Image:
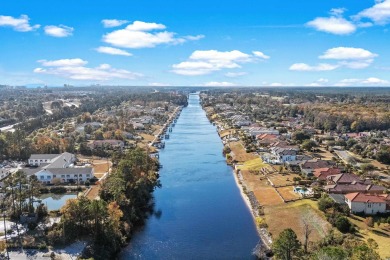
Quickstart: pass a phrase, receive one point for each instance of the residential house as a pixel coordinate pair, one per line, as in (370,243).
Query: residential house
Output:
(367,203)
(323,173)
(280,155)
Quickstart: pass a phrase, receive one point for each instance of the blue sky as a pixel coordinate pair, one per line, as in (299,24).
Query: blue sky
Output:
(219,43)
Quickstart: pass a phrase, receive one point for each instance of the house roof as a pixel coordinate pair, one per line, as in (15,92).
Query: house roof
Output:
(355,187)
(363,197)
(61,161)
(43,156)
(344,178)
(323,173)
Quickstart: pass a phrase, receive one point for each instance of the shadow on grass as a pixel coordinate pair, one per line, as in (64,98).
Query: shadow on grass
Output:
(379,233)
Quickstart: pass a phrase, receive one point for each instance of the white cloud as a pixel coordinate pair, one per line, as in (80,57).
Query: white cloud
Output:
(259,54)
(206,62)
(235,74)
(194,38)
(63,62)
(372,81)
(113,51)
(158,84)
(140,35)
(379,13)
(219,84)
(276,84)
(335,25)
(347,53)
(109,23)
(75,69)
(319,67)
(58,31)
(318,83)
(353,58)
(20,24)
(347,57)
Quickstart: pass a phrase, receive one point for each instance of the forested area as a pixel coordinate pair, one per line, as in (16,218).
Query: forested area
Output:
(125,201)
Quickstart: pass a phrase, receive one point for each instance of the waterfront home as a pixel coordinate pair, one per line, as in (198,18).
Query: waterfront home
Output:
(308,167)
(345,178)
(354,187)
(367,203)
(280,155)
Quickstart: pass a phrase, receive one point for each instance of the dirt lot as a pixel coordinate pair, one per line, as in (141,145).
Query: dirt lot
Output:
(101,166)
(239,154)
(323,154)
(295,213)
(288,193)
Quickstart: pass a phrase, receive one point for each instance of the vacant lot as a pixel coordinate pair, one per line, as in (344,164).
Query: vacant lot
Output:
(253,165)
(283,179)
(292,215)
(267,196)
(239,154)
(288,193)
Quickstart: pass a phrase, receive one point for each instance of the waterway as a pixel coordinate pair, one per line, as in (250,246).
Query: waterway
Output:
(200,213)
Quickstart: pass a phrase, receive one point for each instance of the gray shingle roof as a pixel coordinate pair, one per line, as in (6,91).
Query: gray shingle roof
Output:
(43,156)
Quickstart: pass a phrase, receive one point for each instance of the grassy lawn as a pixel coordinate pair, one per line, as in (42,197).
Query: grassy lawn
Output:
(239,154)
(288,193)
(253,165)
(381,236)
(147,138)
(291,215)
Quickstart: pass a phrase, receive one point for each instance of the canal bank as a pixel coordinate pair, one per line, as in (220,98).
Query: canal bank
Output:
(199,212)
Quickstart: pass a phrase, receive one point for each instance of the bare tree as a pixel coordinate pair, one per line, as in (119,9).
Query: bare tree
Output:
(306,231)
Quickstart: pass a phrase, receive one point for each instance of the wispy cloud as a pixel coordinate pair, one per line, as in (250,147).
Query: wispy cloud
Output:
(113,51)
(59,31)
(109,23)
(75,69)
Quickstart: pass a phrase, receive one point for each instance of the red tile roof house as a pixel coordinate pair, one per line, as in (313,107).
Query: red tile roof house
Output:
(348,183)
(323,173)
(368,203)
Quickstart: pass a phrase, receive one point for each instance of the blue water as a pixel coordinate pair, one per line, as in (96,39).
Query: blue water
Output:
(201,214)
(55,201)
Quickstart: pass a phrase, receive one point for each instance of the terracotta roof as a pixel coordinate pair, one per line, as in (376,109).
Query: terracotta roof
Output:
(323,173)
(362,197)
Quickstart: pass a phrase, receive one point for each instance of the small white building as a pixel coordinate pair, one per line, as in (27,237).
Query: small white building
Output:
(369,204)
